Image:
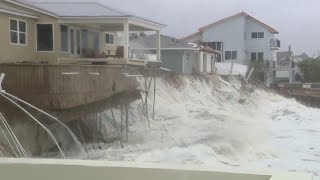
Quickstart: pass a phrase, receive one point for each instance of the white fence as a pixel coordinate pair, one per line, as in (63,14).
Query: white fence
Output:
(228,68)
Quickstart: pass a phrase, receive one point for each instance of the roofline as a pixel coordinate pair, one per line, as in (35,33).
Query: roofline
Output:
(57,16)
(192,49)
(18,14)
(272,30)
(190,36)
(32,8)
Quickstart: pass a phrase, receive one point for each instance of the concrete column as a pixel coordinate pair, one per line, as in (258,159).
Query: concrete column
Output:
(158,46)
(126,39)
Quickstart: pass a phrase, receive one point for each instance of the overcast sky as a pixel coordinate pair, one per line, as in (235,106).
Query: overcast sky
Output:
(296,20)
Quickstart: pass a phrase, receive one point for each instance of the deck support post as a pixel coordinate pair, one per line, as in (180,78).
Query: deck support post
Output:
(158,46)
(127,121)
(126,39)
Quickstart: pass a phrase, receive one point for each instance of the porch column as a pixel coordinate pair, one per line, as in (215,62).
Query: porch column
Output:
(158,46)
(126,39)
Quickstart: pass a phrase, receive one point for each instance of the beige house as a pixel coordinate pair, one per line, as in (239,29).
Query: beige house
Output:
(65,32)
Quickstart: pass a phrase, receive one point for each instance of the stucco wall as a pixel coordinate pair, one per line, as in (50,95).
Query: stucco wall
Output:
(173,60)
(231,33)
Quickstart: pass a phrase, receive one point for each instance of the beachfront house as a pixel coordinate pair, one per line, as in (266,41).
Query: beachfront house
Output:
(68,32)
(240,38)
(180,57)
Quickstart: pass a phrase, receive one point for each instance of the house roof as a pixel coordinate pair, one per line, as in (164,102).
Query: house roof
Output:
(8,9)
(272,30)
(167,42)
(66,9)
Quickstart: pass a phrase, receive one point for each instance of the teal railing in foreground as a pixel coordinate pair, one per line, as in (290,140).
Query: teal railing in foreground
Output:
(40,169)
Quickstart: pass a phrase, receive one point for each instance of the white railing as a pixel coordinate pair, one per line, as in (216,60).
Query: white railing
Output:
(275,44)
(37,169)
(282,64)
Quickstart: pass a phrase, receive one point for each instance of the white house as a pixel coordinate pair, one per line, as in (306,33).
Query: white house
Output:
(240,38)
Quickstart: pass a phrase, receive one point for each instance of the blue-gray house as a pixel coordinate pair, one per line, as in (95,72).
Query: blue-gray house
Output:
(177,56)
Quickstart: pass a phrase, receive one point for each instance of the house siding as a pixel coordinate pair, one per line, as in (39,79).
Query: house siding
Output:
(173,59)
(231,33)
(16,53)
(258,45)
(11,52)
(188,66)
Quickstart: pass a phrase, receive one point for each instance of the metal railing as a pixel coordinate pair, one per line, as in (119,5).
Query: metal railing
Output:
(275,43)
(281,64)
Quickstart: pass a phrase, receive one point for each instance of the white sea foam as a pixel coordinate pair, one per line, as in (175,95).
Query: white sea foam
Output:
(198,122)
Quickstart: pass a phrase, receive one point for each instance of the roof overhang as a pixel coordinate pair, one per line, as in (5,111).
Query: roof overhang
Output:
(165,49)
(114,23)
(18,13)
(31,8)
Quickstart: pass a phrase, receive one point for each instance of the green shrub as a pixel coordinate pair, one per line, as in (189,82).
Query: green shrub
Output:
(310,70)
(259,71)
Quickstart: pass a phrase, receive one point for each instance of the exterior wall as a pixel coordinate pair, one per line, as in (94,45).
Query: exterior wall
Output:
(231,33)
(173,60)
(188,63)
(15,53)
(258,45)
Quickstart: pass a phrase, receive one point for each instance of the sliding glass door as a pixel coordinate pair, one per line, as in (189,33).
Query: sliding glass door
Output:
(75,42)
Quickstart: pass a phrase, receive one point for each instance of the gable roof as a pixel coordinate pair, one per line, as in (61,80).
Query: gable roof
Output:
(65,9)
(11,10)
(167,42)
(270,29)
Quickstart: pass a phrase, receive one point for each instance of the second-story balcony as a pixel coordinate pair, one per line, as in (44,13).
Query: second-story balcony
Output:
(275,44)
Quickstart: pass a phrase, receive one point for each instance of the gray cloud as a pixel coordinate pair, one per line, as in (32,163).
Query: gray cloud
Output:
(297,20)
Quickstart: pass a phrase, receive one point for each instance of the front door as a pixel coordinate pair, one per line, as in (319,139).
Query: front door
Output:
(75,42)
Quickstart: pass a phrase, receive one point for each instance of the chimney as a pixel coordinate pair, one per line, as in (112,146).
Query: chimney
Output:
(290,48)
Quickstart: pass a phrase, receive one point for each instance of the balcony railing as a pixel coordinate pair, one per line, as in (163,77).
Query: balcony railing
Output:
(275,44)
(282,64)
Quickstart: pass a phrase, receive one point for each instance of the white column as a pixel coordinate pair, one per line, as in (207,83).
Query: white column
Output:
(126,39)
(158,46)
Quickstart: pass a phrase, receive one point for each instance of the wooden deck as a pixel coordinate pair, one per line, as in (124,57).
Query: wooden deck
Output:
(109,61)
(58,87)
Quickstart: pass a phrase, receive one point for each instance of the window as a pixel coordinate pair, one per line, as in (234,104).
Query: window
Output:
(18,31)
(228,55)
(72,41)
(254,35)
(109,38)
(188,56)
(234,54)
(231,55)
(253,56)
(44,37)
(64,38)
(260,35)
(260,56)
